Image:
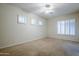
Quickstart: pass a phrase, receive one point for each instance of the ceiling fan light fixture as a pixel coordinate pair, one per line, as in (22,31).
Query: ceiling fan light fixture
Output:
(48,8)
(49,12)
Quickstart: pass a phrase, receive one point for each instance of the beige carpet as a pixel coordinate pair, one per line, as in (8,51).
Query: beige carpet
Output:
(42,47)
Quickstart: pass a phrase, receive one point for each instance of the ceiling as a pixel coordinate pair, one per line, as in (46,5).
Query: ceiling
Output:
(59,8)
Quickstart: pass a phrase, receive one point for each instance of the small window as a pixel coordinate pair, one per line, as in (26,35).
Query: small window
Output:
(33,21)
(40,22)
(21,19)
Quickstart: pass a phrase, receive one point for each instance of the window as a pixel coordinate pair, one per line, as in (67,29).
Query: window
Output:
(21,19)
(66,27)
(40,22)
(34,21)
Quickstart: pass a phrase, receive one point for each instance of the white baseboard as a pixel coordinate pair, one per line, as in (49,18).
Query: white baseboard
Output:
(32,40)
(75,40)
(18,43)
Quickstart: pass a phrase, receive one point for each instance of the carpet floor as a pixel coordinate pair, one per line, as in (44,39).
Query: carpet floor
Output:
(42,47)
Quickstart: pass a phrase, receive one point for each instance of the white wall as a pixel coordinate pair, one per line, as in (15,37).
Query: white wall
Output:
(52,27)
(12,33)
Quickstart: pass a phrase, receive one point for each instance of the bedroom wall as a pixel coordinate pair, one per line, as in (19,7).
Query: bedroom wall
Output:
(52,27)
(12,33)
